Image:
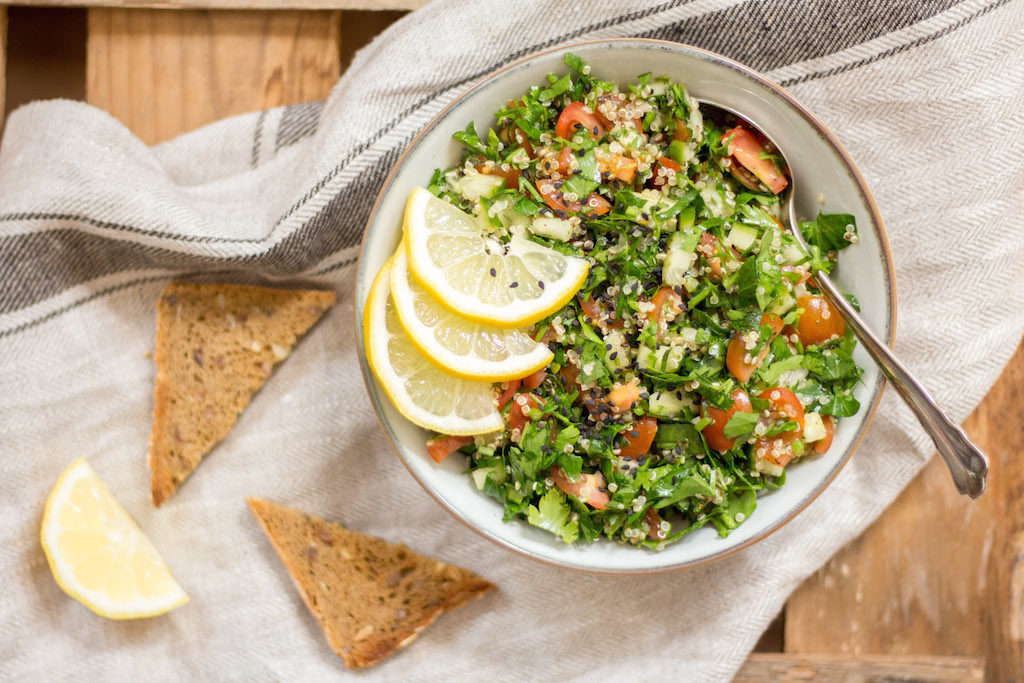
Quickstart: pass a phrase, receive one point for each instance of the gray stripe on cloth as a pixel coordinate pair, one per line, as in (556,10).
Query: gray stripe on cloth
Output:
(741,31)
(39,265)
(297,121)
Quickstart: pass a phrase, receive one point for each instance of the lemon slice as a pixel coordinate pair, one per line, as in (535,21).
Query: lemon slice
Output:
(422,393)
(512,285)
(97,553)
(456,345)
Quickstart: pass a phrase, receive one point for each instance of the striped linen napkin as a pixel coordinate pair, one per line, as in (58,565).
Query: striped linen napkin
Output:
(927,96)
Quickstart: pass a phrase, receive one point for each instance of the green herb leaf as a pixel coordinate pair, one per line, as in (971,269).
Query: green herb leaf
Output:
(552,514)
(740,425)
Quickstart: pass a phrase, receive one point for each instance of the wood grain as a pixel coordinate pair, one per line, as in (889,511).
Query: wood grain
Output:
(923,669)
(937,572)
(164,73)
(235,4)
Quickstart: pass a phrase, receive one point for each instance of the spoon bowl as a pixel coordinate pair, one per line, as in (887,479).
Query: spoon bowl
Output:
(967,465)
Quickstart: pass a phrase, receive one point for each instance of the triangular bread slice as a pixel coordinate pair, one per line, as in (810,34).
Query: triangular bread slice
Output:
(370,597)
(216,345)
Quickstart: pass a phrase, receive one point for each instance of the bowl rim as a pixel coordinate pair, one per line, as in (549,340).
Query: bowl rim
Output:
(862,188)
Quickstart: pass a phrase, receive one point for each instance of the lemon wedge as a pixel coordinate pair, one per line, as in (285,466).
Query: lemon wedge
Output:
(456,345)
(97,553)
(423,394)
(510,285)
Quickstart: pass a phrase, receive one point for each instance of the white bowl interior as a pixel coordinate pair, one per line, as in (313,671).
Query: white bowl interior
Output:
(820,167)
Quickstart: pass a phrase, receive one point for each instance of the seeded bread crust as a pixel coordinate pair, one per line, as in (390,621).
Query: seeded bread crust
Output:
(216,345)
(369,596)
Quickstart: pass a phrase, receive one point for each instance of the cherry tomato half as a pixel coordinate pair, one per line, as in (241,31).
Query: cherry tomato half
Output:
(735,357)
(714,432)
(785,407)
(830,429)
(819,322)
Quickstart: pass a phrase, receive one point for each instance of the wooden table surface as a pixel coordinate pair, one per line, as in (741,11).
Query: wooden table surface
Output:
(933,591)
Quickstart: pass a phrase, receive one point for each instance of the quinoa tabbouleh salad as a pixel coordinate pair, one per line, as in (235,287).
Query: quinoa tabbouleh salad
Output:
(698,361)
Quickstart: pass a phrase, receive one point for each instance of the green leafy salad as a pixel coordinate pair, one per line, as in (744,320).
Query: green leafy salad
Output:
(699,360)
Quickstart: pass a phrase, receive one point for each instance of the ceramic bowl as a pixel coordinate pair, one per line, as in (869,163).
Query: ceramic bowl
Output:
(823,168)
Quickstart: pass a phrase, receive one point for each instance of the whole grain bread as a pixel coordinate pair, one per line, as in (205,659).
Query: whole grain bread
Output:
(216,345)
(370,597)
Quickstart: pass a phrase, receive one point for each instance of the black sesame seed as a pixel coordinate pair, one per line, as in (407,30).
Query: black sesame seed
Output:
(596,129)
(514,285)
(613,355)
(494,272)
(608,347)
(540,283)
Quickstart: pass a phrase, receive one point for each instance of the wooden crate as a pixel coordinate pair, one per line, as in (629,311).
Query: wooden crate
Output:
(934,591)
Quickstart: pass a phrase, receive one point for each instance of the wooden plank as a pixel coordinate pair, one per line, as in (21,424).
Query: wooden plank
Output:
(937,572)
(235,4)
(920,668)
(164,73)
(45,54)
(3,62)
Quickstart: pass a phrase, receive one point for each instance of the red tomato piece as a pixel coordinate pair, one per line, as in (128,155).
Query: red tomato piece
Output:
(747,150)
(590,488)
(638,437)
(830,429)
(665,299)
(511,176)
(735,357)
(531,382)
(799,271)
(551,191)
(598,314)
(508,392)
(713,253)
(578,115)
(819,322)
(623,397)
(517,419)
(610,105)
(596,205)
(714,433)
(658,179)
(441,447)
(785,406)
(616,166)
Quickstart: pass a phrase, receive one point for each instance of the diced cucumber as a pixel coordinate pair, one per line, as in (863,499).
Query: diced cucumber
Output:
(679,258)
(741,236)
(662,359)
(684,221)
(814,427)
(669,403)
(792,254)
(472,187)
(555,228)
(782,305)
(480,476)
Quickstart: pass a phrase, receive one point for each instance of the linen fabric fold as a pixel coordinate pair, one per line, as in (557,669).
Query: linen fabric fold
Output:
(926,96)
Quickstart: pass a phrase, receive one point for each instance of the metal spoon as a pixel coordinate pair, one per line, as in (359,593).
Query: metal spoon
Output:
(967,464)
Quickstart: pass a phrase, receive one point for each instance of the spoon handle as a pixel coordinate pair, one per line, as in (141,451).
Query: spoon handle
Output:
(966,463)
